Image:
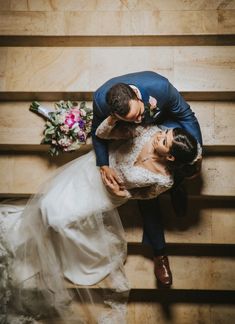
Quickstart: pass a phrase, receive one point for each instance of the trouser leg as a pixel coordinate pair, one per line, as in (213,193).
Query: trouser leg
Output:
(153,231)
(179,197)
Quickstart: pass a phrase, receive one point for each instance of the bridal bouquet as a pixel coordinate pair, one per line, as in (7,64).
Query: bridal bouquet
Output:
(67,127)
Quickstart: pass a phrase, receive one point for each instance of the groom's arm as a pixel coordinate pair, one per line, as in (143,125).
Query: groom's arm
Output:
(181,112)
(100,145)
(101,150)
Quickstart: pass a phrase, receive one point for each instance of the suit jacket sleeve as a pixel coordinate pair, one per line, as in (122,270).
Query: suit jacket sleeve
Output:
(181,112)
(100,145)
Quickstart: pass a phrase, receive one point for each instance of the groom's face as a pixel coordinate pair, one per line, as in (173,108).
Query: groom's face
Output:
(135,113)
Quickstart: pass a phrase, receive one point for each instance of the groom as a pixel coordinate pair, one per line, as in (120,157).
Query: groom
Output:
(146,98)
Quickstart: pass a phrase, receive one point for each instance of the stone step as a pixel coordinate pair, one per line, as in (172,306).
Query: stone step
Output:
(166,307)
(63,69)
(115,18)
(17,168)
(199,231)
(203,222)
(111,41)
(112,5)
(25,128)
(189,273)
(167,312)
(13,96)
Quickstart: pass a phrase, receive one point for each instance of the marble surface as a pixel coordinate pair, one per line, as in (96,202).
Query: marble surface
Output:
(216,120)
(199,68)
(202,225)
(189,272)
(84,69)
(16,169)
(73,5)
(119,20)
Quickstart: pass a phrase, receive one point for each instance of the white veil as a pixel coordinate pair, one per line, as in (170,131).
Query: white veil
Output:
(37,255)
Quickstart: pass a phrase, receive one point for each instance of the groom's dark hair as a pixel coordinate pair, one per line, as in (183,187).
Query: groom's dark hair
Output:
(118,98)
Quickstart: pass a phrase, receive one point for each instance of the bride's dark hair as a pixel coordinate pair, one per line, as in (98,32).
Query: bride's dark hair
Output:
(184,148)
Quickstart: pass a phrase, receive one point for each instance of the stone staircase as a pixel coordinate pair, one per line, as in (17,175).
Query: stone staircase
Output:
(53,50)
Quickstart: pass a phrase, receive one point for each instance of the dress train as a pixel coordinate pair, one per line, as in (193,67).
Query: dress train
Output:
(69,229)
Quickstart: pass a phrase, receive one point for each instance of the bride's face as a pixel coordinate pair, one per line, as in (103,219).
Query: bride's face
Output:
(136,112)
(162,143)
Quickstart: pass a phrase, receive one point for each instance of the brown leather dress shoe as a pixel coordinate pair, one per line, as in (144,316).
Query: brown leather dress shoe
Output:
(162,271)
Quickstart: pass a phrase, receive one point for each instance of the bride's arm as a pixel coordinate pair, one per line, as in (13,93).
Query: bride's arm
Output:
(112,128)
(149,192)
(115,189)
(136,193)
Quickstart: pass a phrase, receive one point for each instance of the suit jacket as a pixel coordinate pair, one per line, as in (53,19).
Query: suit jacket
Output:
(172,110)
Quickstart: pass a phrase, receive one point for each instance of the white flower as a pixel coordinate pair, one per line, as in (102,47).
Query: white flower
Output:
(65,142)
(64,128)
(152,102)
(61,118)
(83,113)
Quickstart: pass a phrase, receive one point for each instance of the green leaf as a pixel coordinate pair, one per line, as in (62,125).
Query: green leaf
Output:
(82,105)
(48,123)
(50,130)
(47,140)
(34,106)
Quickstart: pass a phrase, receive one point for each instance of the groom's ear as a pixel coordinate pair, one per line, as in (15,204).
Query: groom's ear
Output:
(170,157)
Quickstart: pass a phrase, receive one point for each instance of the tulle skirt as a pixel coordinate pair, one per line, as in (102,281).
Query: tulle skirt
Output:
(69,230)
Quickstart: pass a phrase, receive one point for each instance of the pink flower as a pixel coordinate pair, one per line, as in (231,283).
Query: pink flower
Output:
(69,120)
(76,113)
(72,117)
(152,102)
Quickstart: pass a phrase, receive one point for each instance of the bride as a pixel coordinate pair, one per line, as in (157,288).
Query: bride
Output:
(71,228)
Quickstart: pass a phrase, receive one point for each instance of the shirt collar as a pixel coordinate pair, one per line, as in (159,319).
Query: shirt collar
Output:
(142,93)
(136,89)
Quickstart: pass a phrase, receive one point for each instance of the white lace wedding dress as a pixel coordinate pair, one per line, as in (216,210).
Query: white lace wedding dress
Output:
(72,229)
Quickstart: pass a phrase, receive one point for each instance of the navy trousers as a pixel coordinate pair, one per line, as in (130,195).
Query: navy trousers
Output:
(153,230)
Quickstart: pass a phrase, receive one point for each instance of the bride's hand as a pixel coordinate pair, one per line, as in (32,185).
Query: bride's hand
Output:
(112,120)
(112,182)
(111,175)
(115,190)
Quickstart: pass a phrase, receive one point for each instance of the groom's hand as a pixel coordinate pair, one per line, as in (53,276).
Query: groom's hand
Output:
(109,176)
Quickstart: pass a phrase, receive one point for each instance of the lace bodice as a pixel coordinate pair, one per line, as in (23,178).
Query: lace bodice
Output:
(139,181)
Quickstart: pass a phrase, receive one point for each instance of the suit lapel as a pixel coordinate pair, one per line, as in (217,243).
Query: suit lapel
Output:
(149,116)
(144,94)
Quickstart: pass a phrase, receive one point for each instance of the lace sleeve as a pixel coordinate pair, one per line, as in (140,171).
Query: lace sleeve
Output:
(121,130)
(147,192)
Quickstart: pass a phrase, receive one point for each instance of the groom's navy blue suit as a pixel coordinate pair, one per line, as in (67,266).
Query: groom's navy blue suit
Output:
(173,111)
